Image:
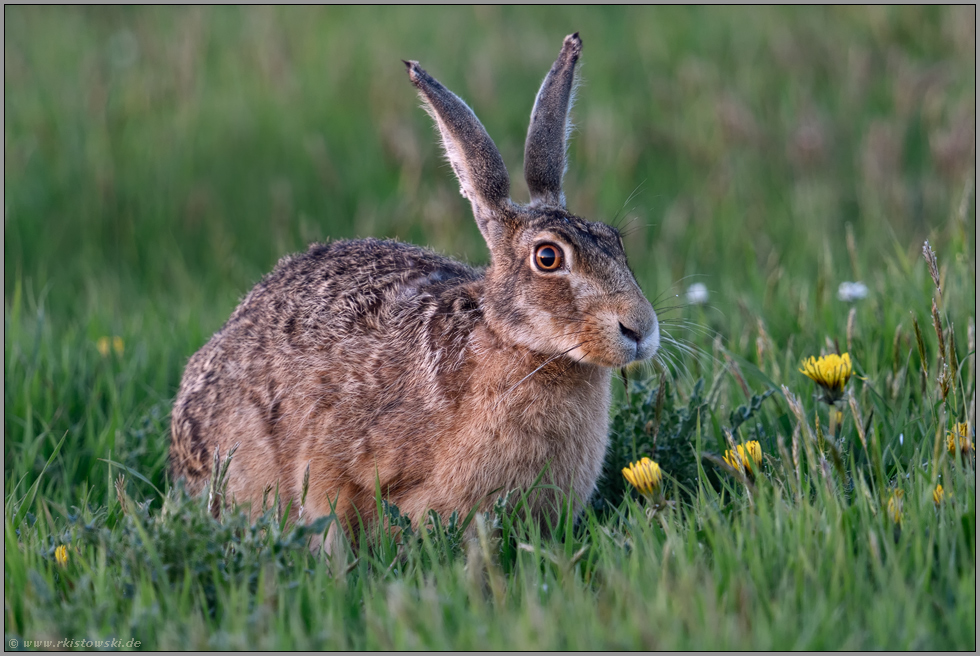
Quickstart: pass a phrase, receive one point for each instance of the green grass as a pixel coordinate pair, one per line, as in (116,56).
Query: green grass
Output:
(158,161)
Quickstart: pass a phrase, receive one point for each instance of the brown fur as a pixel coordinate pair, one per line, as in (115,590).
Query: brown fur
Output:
(379,362)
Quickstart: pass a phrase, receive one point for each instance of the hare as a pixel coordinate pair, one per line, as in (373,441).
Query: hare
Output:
(375,362)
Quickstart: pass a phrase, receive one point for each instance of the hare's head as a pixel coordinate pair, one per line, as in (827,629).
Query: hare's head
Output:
(557,284)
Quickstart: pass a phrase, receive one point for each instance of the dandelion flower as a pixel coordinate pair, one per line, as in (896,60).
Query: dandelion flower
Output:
(61,555)
(831,372)
(747,457)
(645,476)
(104,344)
(895,506)
(938,494)
(960,439)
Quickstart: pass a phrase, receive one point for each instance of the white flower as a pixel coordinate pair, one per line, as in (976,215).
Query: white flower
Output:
(852,291)
(697,294)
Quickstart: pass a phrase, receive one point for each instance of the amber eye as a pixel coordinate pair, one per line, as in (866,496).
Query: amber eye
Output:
(547,257)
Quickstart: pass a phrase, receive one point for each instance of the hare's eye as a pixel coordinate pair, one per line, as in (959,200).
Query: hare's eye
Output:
(547,257)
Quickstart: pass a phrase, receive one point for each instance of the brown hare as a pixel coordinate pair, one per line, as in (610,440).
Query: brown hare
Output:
(376,362)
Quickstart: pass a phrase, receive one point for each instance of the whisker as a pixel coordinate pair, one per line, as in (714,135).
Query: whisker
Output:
(636,228)
(690,326)
(623,232)
(677,367)
(539,368)
(664,293)
(667,360)
(676,284)
(691,352)
(576,332)
(627,202)
(671,353)
(669,308)
(700,330)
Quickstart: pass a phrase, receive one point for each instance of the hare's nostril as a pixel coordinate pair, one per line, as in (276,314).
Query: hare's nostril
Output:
(629,333)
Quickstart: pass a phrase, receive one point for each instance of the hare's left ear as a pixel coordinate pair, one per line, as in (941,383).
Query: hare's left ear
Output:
(544,152)
(474,157)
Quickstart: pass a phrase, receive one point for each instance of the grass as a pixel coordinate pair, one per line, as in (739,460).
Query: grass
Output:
(158,161)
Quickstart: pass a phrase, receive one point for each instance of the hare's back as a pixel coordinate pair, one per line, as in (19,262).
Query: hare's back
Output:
(346,289)
(337,332)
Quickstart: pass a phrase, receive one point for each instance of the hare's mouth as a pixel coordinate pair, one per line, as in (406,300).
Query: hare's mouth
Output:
(619,345)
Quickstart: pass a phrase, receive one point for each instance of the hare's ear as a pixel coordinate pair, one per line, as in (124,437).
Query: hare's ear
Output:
(544,152)
(474,157)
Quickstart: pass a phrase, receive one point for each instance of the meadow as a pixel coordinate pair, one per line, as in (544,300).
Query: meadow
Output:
(159,161)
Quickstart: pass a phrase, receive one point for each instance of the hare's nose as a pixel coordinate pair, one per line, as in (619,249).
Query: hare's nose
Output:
(630,333)
(641,333)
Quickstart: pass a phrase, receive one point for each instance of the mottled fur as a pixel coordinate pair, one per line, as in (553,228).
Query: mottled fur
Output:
(379,362)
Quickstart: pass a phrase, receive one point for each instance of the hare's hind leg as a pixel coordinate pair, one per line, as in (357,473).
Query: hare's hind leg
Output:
(333,542)
(201,432)
(189,457)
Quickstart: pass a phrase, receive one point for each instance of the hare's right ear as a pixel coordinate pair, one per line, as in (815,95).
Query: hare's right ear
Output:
(547,136)
(474,157)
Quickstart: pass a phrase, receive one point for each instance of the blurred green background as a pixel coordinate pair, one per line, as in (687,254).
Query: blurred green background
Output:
(169,156)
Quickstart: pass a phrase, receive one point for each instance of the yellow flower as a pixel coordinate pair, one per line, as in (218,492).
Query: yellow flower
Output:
(61,555)
(960,438)
(895,506)
(748,457)
(937,495)
(103,344)
(831,372)
(644,475)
